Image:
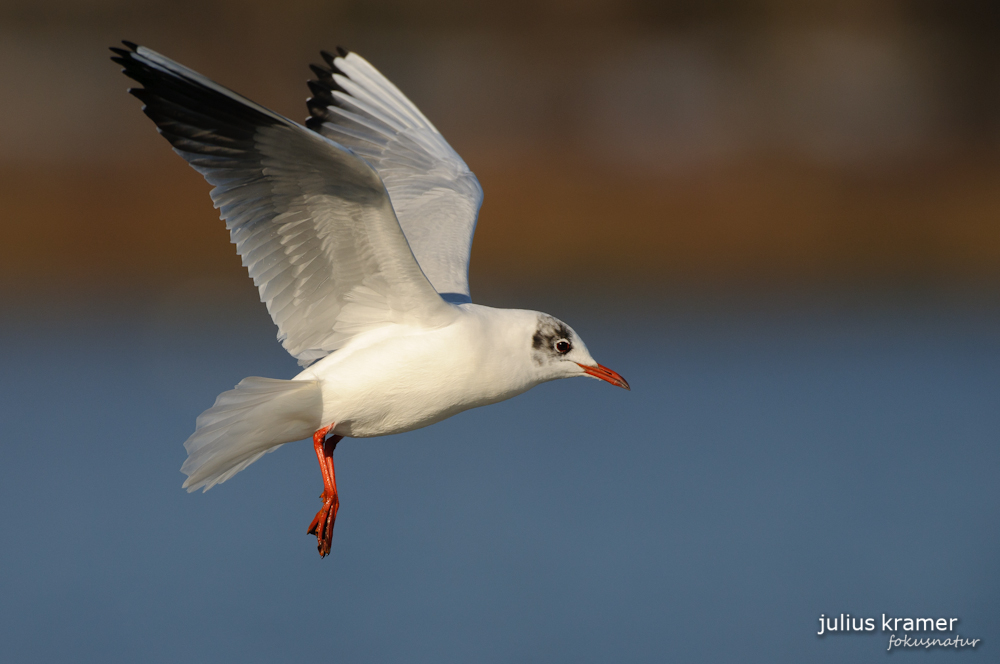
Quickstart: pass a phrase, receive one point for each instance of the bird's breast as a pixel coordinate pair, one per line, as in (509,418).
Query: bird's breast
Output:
(413,379)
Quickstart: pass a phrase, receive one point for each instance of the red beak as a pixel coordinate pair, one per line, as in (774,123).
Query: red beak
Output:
(602,372)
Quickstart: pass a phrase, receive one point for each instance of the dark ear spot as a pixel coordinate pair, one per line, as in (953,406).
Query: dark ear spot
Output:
(543,341)
(538,341)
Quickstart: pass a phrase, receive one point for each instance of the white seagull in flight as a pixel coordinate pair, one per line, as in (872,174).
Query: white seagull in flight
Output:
(356,229)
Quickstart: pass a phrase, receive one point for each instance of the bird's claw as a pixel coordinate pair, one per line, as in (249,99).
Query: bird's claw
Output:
(322,524)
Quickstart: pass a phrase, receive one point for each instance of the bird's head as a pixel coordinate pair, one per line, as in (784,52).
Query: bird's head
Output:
(558,352)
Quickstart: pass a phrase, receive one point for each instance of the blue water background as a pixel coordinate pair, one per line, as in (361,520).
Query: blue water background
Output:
(773,462)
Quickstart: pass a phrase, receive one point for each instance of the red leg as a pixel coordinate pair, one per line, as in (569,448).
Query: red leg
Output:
(322,523)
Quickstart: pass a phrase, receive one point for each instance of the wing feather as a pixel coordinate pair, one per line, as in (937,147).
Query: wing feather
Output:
(312,221)
(435,195)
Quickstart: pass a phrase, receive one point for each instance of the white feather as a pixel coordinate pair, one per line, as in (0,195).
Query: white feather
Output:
(258,416)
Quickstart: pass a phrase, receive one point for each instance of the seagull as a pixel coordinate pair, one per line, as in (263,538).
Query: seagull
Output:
(356,229)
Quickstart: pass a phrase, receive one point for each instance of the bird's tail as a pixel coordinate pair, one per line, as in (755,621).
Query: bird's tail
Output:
(259,416)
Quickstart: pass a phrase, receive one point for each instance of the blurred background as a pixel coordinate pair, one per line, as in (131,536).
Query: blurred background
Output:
(779,220)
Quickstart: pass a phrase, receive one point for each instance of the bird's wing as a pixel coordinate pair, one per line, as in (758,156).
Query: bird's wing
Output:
(312,220)
(435,195)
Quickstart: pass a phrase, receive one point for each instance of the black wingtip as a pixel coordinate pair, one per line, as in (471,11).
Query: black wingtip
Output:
(121,55)
(320,72)
(342,52)
(318,89)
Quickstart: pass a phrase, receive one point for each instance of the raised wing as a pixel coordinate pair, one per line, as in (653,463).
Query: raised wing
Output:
(435,195)
(312,221)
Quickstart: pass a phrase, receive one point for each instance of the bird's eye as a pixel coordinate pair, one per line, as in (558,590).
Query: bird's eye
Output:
(563,346)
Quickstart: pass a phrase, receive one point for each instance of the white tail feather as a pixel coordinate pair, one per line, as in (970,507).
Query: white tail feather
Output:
(259,416)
